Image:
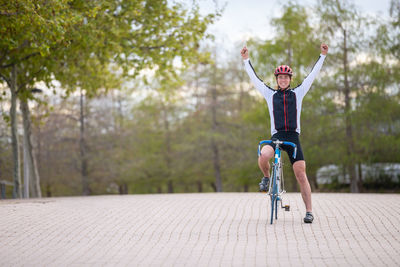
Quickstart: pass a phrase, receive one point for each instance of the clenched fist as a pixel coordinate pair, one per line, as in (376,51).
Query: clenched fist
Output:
(324,49)
(245,53)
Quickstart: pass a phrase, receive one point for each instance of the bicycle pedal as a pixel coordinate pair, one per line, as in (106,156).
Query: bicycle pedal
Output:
(287,208)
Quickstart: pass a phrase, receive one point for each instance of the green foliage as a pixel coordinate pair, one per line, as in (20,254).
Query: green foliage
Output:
(93,45)
(79,42)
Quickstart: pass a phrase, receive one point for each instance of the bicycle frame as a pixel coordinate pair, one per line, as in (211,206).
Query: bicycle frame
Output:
(276,185)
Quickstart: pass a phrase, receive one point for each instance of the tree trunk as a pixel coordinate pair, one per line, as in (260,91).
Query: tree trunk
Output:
(246,188)
(168,150)
(32,174)
(26,163)
(214,145)
(48,190)
(123,189)
(360,177)
(47,186)
(313,182)
(170,186)
(214,187)
(83,149)
(354,185)
(197,107)
(17,192)
(199,186)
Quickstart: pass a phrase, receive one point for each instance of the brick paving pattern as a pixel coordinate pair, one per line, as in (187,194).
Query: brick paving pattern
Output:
(226,229)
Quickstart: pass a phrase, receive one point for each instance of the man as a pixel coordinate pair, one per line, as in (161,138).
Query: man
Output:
(284,106)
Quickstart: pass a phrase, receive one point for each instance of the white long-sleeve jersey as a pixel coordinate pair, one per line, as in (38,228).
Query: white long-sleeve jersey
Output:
(284,105)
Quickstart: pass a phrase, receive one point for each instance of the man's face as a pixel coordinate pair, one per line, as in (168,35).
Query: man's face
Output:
(283,81)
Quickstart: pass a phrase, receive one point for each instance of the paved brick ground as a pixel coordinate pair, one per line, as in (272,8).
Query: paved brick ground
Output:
(227,229)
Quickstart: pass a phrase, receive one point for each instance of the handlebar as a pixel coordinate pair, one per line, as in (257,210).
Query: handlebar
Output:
(277,142)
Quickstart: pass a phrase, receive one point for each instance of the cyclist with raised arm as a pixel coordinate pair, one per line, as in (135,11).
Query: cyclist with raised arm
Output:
(284,105)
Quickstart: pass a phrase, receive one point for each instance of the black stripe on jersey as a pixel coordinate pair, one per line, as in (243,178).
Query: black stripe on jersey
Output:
(309,72)
(259,77)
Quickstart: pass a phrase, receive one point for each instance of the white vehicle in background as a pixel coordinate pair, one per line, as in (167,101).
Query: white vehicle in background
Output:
(377,173)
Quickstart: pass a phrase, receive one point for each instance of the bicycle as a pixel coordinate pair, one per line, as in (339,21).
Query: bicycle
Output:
(276,183)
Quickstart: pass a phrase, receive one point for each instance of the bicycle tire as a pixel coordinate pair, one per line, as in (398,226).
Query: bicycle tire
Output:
(274,196)
(272,208)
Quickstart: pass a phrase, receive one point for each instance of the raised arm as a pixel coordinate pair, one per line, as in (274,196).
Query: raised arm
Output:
(306,84)
(265,90)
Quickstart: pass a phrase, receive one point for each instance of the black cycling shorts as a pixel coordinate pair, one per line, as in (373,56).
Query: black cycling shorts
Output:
(289,137)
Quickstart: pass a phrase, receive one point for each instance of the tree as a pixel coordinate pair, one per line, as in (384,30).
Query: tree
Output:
(378,110)
(342,23)
(28,31)
(55,37)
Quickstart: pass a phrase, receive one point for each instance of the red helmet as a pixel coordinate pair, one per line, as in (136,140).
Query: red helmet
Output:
(283,69)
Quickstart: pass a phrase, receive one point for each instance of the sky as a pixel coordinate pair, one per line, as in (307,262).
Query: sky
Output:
(243,19)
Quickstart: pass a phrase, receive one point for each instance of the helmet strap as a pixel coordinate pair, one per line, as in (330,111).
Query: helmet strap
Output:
(280,88)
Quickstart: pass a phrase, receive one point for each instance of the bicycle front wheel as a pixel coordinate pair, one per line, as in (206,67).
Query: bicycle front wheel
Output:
(272,207)
(274,194)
